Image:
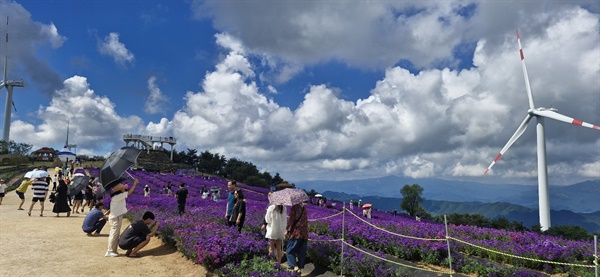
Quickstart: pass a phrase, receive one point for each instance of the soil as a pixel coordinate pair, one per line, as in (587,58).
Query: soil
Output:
(56,246)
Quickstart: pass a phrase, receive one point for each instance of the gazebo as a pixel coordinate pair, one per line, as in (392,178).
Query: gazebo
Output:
(44,154)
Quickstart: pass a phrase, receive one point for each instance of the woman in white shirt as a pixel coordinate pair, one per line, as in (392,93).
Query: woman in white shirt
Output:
(276,219)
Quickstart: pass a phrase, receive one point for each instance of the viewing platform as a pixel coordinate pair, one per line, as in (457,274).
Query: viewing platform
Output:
(149,142)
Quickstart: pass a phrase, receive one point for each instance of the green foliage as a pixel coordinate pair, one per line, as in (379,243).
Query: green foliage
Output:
(412,199)
(257,266)
(569,232)
(12,147)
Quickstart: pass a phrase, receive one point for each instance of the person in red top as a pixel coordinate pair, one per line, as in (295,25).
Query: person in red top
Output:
(297,232)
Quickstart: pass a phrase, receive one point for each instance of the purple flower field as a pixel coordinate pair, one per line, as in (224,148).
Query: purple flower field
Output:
(202,235)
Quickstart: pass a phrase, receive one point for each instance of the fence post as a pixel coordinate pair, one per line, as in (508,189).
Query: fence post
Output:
(343,231)
(448,243)
(596,254)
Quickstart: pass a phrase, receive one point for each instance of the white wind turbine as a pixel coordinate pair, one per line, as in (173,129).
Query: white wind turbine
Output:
(9,84)
(540,114)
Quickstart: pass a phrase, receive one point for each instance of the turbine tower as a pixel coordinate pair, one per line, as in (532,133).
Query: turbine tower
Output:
(540,114)
(9,84)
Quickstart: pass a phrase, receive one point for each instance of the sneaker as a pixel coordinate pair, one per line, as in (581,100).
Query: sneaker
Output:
(111,254)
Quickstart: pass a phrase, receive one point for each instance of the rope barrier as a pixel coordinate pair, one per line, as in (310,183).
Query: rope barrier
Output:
(392,233)
(520,257)
(324,240)
(397,263)
(327,217)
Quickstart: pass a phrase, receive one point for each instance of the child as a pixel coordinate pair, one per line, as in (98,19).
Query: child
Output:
(2,190)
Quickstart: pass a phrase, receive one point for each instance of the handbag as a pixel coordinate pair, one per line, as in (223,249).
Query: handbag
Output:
(52,198)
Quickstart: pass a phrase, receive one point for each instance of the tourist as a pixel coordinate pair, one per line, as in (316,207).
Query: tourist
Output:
(138,235)
(95,220)
(238,213)
(78,197)
(2,190)
(22,189)
(297,232)
(275,220)
(61,204)
(88,194)
(181,196)
(40,192)
(231,186)
(118,208)
(54,182)
(146,191)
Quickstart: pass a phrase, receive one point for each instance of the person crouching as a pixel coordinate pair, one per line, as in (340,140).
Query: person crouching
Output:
(138,235)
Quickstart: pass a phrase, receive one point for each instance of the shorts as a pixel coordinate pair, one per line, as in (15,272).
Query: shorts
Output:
(20,194)
(35,199)
(2,194)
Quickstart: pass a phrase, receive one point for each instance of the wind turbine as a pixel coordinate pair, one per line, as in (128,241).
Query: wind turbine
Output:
(540,114)
(9,84)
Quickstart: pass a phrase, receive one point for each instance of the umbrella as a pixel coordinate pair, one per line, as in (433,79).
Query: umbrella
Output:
(288,197)
(318,195)
(79,182)
(116,164)
(367,206)
(78,174)
(36,174)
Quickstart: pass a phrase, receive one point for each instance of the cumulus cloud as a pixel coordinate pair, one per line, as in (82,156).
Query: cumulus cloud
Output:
(156,102)
(437,122)
(111,46)
(94,124)
(23,63)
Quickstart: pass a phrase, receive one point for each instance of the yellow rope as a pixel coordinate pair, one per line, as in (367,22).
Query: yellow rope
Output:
(397,263)
(392,233)
(316,219)
(519,257)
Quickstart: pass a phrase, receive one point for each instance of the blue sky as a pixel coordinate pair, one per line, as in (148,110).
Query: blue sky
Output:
(314,89)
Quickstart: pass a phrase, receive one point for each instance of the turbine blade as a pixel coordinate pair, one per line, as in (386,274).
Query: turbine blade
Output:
(557,116)
(527,86)
(510,142)
(14,107)
(6,53)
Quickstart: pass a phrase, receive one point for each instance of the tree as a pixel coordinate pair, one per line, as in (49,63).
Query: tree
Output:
(14,148)
(569,232)
(412,199)
(277,179)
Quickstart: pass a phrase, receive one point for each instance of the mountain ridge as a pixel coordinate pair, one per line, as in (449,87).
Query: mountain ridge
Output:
(580,197)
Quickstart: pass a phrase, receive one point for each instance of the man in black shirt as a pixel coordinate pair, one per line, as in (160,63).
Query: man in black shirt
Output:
(181,196)
(138,235)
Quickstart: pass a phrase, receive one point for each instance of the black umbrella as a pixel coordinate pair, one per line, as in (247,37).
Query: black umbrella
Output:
(79,183)
(116,164)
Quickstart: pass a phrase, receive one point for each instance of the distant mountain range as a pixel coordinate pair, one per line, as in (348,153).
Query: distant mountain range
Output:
(577,204)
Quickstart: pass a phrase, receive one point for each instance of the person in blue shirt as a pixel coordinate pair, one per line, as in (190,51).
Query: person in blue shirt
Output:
(232,187)
(95,220)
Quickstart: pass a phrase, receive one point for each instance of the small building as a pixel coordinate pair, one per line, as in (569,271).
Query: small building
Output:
(45,154)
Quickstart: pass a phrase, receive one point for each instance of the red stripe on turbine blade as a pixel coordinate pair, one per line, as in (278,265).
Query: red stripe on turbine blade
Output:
(498,157)
(486,171)
(521,52)
(577,122)
(596,127)
(518,37)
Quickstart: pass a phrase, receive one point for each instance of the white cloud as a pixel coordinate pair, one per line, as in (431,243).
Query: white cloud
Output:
(56,40)
(443,123)
(94,124)
(156,101)
(111,46)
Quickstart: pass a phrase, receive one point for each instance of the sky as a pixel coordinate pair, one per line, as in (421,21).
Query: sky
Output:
(313,90)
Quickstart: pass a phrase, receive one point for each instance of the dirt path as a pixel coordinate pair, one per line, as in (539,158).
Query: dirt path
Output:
(56,246)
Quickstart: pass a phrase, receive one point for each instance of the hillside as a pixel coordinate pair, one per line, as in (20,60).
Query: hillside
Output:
(579,198)
(513,212)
